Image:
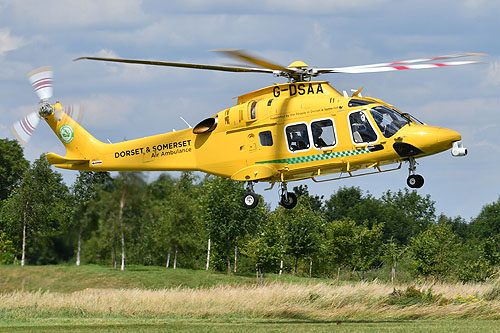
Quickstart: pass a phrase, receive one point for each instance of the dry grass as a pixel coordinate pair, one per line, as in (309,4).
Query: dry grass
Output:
(276,300)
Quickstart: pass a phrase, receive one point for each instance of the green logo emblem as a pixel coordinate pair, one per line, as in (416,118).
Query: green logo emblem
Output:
(66,133)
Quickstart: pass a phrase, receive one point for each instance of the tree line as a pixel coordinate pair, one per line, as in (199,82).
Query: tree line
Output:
(200,223)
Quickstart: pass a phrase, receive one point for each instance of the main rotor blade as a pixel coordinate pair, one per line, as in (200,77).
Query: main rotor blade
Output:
(245,56)
(390,66)
(359,70)
(180,64)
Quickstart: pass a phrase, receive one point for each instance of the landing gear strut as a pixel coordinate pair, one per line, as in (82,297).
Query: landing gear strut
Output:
(250,199)
(288,199)
(414,180)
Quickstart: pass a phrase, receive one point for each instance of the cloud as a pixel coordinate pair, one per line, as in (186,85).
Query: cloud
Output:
(278,6)
(76,13)
(8,42)
(104,111)
(493,76)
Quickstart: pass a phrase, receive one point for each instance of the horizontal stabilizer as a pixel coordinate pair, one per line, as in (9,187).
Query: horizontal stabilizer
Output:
(56,159)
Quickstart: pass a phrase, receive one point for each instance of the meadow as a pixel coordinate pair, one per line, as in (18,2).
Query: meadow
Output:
(155,298)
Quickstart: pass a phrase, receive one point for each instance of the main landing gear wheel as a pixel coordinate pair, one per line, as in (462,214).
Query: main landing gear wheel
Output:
(415,181)
(250,200)
(288,200)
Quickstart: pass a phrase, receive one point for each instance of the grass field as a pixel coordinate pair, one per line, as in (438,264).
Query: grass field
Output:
(153,298)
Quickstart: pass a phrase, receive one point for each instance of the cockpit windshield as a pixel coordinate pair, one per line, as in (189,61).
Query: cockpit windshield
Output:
(389,121)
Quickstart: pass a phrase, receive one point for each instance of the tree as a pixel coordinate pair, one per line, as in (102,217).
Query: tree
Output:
(266,249)
(226,220)
(302,229)
(6,249)
(314,201)
(406,214)
(347,244)
(392,252)
(339,205)
(434,251)
(37,210)
(339,243)
(176,223)
(122,213)
(129,185)
(368,246)
(85,190)
(487,223)
(12,166)
(349,202)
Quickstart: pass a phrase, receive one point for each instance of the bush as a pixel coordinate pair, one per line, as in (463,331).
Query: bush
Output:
(476,270)
(412,296)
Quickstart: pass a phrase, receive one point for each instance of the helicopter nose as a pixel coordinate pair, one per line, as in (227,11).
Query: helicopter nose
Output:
(416,140)
(446,137)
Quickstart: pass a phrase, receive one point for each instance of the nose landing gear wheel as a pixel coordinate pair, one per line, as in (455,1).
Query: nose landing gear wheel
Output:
(289,200)
(415,181)
(250,200)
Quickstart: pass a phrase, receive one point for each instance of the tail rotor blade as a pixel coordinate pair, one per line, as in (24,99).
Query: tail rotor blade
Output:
(75,112)
(24,128)
(41,80)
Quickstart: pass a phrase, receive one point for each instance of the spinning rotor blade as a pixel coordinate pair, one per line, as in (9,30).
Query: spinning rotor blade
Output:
(401,65)
(74,112)
(180,64)
(23,129)
(41,80)
(245,56)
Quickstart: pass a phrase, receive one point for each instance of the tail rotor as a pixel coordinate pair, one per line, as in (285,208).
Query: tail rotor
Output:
(42,82)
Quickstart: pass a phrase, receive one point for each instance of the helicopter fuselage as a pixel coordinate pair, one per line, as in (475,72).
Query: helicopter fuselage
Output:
(279,133)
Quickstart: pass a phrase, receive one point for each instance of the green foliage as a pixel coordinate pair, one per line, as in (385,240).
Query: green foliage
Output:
(302,230)
(434,251)
(6,249)
(406,214)
(12,166)
(39,204)
(368,245)
(478,270)
(487,223)
(355,246)
(226,220)
(267,248)
(314,201)
(176,225)
(351,229)
(412,296)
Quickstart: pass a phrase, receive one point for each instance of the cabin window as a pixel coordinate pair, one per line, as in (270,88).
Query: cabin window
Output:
(323,133)
(252,110)
(266,138)
(297,137)
(361,129)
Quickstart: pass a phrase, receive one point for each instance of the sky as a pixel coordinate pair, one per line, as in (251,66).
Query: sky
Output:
(131,101)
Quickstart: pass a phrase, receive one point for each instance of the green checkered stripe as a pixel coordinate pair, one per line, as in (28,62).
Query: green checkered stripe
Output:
(318,157)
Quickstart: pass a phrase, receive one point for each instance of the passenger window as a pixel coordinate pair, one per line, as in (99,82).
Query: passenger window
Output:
(323,133)
(252,110)
(362,131)
(297,137)
(266,138)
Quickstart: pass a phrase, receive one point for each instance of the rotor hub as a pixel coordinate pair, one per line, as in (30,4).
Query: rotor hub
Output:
(45,109)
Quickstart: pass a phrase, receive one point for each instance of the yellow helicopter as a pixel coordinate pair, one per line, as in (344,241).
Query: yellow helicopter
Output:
(285,132)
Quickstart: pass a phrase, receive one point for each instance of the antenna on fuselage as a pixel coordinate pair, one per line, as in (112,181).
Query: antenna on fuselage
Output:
(184,120)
